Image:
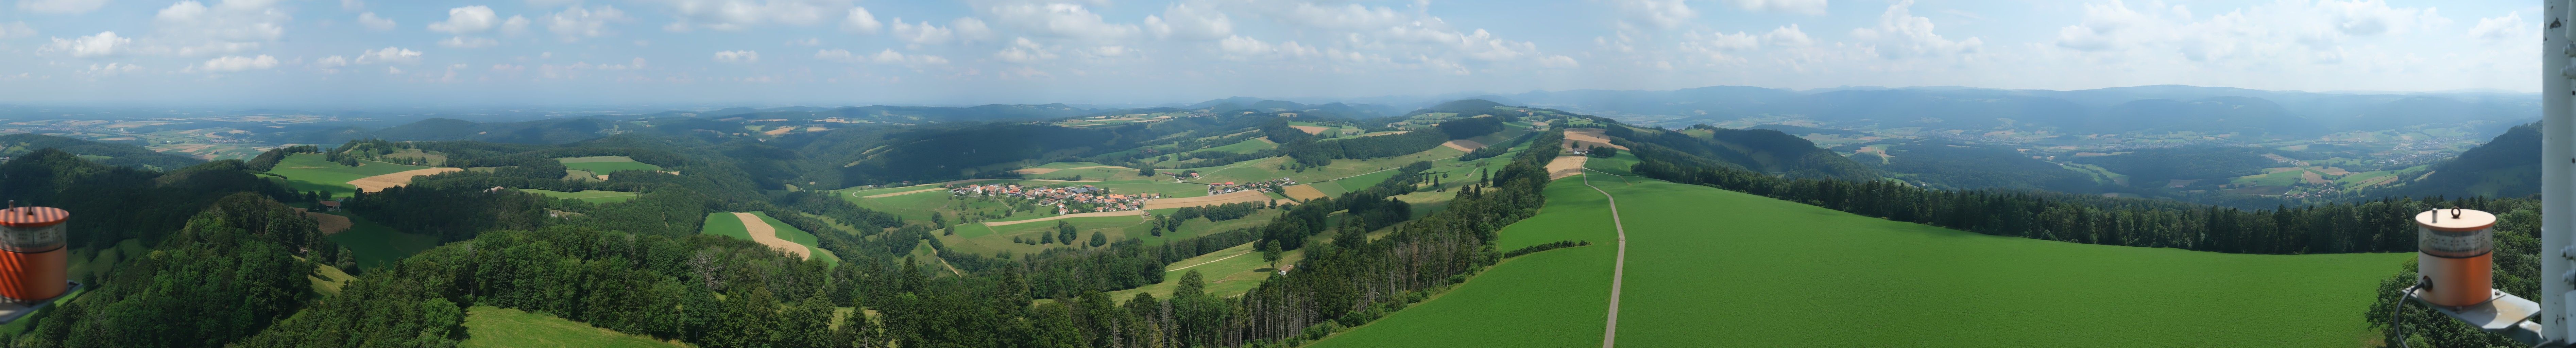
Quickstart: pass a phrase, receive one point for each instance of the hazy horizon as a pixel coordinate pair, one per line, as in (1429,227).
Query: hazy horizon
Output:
(823,52)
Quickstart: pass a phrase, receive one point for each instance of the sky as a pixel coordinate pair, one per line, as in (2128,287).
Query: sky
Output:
(290,53)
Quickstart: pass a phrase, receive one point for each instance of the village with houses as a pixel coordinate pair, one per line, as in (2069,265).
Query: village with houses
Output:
(1273,185)
(1067,200)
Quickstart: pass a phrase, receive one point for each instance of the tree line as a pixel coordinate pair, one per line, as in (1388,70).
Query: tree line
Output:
(2369,226)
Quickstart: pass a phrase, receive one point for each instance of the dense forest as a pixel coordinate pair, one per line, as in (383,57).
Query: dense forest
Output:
(115,154)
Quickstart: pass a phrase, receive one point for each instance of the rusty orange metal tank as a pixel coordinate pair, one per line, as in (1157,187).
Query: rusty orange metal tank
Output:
(31,254)
(2456,256)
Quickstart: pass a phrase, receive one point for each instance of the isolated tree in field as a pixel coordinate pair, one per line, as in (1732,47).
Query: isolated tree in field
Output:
(1146,171)
(1064,231)
(1098,239)
(1046,238)
(1270,253)
(938,220)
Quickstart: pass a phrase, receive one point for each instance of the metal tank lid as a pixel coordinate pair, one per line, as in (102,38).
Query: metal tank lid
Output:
(32,217)
(2455,220)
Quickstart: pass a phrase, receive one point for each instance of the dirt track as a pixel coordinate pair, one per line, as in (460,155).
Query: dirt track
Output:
(1231,197)
(1464,145)
(1067,216)
(380,182)
(767,235)
(884,195)
(1052,170)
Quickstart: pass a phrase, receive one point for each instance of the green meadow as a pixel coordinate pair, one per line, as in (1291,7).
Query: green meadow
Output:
(496,327)
(1556,298)
(725,224)
(378,245)
(312,172)
(1719,266)
(603,165)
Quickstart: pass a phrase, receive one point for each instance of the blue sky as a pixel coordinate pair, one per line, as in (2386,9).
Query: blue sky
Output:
(288,53)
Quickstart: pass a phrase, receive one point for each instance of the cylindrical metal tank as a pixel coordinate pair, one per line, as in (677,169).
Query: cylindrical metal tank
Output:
(2457,254)
(31,253)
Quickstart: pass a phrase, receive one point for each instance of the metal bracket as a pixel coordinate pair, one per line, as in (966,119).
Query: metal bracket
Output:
(2503,314)
(11,311)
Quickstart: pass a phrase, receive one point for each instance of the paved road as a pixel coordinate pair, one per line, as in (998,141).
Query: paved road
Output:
(1619,268)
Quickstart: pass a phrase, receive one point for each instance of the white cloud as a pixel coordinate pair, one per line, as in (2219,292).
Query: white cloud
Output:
(372,22)
(1813,7)
(888,56)
(105,43)
(388,55)
(113,69)
(61,6)
(514,26)
(1665,14)
(962,29)
(1024,51)
(1244,48)
(190,28)
(393,71)
(1060,20)
(2507,29)
(1787,36)
(353,5)
(16,30)
(1190,22)
(467,20)
(468,42)
(238,63)
(732,15)
(331,64)
(860,21)
(576,23)
(738,56)
(1901,35)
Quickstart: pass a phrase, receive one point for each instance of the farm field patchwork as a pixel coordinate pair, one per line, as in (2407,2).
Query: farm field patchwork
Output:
(1228,272)
(496,327)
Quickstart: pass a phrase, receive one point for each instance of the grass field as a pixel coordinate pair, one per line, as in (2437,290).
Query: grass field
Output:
(725,224)
(1720,266)
(602,165)
(1229,272)
(488,326)
(378,245)
(593,196)
(1556,298)
(312,172)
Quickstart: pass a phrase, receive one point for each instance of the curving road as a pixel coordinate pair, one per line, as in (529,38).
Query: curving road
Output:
(1618,268)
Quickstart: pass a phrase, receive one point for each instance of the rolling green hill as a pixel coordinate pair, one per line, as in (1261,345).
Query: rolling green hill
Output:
(113,154)
(312,172)
(1709,264)
(2500,168)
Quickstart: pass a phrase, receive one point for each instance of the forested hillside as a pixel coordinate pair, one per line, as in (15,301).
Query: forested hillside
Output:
(2502,167)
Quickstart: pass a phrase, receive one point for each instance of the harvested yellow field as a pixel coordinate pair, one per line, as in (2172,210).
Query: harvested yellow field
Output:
(380,182)
(1303,192)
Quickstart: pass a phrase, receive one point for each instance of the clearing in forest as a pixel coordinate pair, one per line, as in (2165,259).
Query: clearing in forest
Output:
(314,172)
(602,165)
(382,182)
(1229,197)
(759,227)
(488,326)
(593,196)
(1312,129)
